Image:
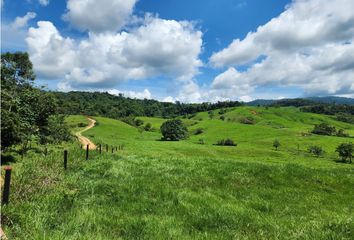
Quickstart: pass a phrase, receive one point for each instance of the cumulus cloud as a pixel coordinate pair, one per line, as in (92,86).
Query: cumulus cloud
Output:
(21,22)
(13,33)
(44,2)
(52,55)
(99,16)
(310,45)
(156,48)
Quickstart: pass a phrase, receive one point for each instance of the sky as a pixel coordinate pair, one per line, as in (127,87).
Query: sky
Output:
(188,51)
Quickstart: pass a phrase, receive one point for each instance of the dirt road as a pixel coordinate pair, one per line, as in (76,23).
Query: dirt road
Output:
(84,140)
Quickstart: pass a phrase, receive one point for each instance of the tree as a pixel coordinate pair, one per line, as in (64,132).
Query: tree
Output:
(174,130)
(324,129)
(345,151)
(148,127)
(25,110)
(316,150)
(276,144)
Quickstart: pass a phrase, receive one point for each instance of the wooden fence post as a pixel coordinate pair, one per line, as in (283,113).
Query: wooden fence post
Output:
(6,192)
(65,159)
(87,151)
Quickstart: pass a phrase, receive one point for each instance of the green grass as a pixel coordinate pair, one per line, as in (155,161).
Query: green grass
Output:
(183,190)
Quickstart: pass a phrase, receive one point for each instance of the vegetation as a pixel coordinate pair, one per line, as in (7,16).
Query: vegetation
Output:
(226,142)
(316,150)
(185,190)
(27,113)
(276,144)
(174,130)
(324,129)
(345,151)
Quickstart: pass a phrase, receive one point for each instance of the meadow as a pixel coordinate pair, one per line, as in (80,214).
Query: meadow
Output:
(153,189)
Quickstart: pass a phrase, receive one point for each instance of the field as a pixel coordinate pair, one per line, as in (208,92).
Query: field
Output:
(153,189)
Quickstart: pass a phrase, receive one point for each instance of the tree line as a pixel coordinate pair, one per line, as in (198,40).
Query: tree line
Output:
(27,113)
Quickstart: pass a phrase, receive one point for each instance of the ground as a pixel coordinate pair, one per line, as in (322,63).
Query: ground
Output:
(152,189)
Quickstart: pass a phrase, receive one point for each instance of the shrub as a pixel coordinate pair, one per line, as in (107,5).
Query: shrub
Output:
(222,111)
(276,144)
(201,141)
(211,114)
(345,151)
(316,150)
(148,127)
(138,122)
(324,129)
(247,120)
(174,130)
(341,133)
(222,117)
(226,142)
(198,131)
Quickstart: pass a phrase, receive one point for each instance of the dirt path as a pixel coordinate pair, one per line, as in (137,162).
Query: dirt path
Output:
(84,140)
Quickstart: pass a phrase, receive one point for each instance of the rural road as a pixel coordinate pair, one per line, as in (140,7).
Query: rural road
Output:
(84,140)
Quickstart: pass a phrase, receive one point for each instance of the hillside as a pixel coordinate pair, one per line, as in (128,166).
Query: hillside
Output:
(152,189)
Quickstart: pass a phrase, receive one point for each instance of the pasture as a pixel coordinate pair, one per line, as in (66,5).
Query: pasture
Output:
(153,189)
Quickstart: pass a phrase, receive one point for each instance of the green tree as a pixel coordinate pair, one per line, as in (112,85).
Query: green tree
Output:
(316,150)
(345,151)
(148,127)
(24,109)
(174,130)
(276,144)
(324,129)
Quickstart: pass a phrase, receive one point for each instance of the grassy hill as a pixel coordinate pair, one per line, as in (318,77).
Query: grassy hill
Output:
(154,189)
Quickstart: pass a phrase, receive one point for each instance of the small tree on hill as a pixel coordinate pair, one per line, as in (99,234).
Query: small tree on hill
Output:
(276,144)
(316,150)
(174,130)
(324,129)
(345,151)
(148,127)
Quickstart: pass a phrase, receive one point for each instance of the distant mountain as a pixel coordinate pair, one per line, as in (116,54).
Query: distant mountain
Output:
(261,102)
(333,99)
(327,100)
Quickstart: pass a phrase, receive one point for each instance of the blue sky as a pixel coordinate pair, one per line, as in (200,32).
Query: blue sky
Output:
(190,51)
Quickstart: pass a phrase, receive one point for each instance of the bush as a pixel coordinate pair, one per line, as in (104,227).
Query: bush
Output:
(222,111)
(324,129)
(247,120)
(316,150)
(341,133)
(276,144)
(198,131)
(345,151)
(201,141)
(138,122)
(148,127)
(174,130)
(226,142)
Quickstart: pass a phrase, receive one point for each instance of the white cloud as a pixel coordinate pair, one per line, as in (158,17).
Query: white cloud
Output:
(13,33)
(156,48)
(44,2)
(52,55)
(145,94)
(310,45)
(99,16)
(21,22)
